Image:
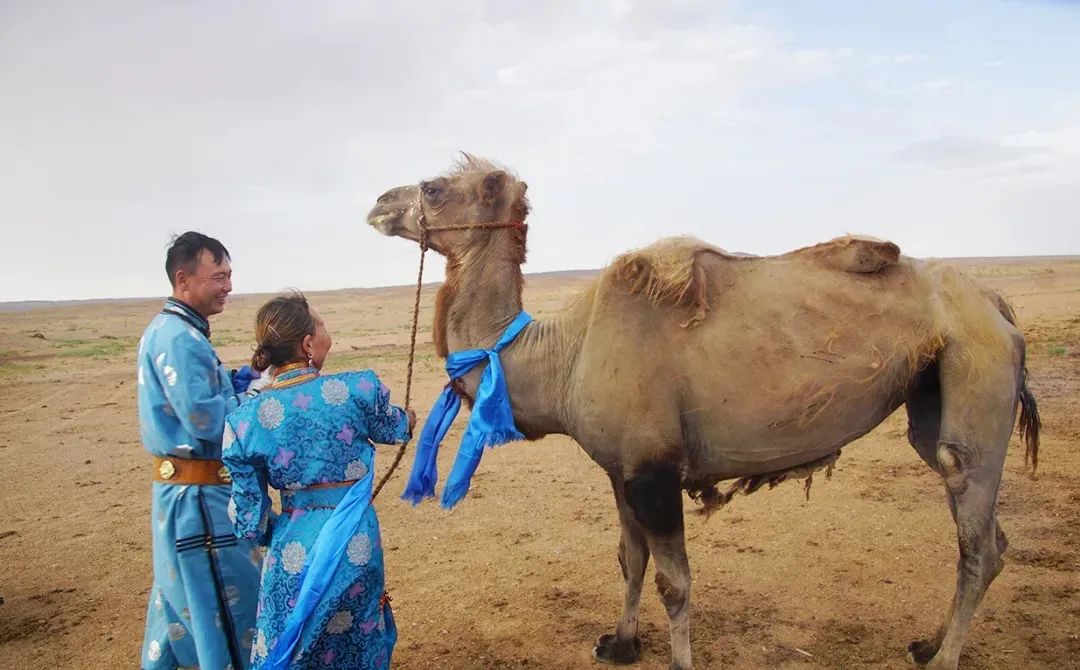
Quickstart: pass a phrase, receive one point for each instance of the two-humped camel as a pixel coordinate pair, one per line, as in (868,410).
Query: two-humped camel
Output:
(683,366)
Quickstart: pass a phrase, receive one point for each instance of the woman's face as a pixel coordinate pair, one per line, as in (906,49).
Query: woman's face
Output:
(317,346)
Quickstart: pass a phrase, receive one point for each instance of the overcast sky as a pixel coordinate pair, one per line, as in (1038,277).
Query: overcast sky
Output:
(950,128)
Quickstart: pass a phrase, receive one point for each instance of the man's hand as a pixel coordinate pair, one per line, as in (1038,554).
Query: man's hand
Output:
(412,419)
(242,378)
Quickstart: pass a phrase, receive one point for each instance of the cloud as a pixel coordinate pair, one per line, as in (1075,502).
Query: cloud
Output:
(898,58)
(253,122)
(240,86)
(821,61)
(938,85)
(274,127)
(958,152)
(1064,137)
(179,100)
(886,83)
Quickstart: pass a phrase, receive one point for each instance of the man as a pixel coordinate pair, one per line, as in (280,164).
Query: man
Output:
(206,582)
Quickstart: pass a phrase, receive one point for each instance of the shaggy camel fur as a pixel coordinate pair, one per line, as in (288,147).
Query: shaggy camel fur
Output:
(683,366)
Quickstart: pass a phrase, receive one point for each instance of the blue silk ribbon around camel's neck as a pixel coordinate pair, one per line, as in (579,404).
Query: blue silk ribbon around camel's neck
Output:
(490,424)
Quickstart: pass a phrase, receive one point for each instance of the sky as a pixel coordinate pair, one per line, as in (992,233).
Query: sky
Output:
(952,129)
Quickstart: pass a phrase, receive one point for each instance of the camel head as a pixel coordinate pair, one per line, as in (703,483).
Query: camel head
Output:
(467,209)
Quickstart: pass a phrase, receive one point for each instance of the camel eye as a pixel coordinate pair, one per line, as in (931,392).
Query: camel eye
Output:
(431,191)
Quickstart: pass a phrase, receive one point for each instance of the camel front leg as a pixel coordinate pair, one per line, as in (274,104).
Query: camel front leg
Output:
(624,647)
(654,494)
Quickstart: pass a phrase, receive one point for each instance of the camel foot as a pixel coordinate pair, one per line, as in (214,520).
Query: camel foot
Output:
(939,664)
(614,651)
(920,652)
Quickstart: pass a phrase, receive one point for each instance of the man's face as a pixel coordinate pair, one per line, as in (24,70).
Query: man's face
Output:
(207,288)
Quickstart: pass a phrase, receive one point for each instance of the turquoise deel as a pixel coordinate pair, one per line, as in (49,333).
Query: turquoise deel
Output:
(321,602)
(202,604)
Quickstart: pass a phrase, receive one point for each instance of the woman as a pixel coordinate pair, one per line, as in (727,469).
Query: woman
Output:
(308,436)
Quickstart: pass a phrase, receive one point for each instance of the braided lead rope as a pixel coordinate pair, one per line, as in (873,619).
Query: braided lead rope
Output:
(421,223)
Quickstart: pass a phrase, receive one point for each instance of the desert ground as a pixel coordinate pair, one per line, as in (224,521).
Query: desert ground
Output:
(523,574)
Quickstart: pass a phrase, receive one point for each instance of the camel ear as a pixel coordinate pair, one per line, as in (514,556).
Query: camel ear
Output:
(493,185)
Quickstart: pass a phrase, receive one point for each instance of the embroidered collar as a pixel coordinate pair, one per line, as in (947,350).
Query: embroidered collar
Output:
(183,310)
(293,374)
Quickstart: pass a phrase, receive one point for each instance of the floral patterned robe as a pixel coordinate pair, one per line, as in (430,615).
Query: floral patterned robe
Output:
(306,432)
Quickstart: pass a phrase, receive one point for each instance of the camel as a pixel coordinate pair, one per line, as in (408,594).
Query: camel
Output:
(682,366)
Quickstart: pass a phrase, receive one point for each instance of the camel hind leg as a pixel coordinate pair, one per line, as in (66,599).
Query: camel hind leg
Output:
(924,430)
(977,412)
(923,404)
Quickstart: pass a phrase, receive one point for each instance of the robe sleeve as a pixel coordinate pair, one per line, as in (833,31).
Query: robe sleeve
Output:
(189,373)
(386,423)
(250,507)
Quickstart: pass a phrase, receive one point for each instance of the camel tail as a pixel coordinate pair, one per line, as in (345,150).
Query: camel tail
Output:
(1030,421)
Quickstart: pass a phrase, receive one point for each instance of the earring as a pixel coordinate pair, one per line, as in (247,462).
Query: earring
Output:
(309,359)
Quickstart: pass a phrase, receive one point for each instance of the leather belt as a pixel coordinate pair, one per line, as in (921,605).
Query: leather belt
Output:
(288,494)
(327,485)
(190,471)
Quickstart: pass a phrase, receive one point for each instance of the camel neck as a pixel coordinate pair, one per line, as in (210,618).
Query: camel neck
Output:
(480,298)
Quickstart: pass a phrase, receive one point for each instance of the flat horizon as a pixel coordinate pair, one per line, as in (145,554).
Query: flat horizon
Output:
(15,306)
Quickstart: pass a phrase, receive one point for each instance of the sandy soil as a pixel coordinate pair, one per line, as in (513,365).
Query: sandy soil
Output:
(524,573)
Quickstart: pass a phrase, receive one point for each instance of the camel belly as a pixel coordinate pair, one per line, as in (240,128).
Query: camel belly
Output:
(742,435)
(793,381)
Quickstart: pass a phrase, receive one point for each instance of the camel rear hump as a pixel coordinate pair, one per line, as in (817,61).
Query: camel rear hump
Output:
(672,271)
(851,253)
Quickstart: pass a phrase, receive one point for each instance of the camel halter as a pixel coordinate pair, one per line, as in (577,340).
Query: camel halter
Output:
(425,231)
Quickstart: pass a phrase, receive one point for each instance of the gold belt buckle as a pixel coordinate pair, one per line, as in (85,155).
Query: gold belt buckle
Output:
(166,470)
(224,475)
